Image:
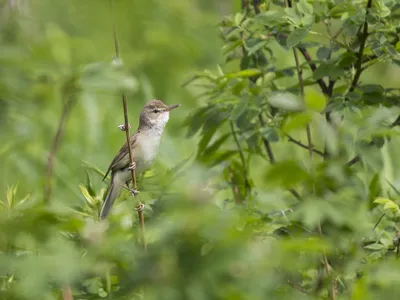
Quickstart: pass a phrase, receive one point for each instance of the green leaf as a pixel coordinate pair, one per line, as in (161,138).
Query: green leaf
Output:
(60,44)
(323,53)
(304,7)
(238,18)
(264,80)
(89,199)
(391,206)
(296,36)
(242,74)
(196,121)
(296,122)
(253,49)
(216,145)
(215,118)
(375,247)
(286,101)
(239,109)
(327,69)
(206,137)
(270,134)
(381,200)
(315,100)
(286,174)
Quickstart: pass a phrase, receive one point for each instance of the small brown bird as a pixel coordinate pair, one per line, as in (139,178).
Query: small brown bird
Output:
(144,144)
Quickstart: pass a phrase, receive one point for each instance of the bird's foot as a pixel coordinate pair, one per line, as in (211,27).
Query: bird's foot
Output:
(134,192)
(122,127)
(132,166)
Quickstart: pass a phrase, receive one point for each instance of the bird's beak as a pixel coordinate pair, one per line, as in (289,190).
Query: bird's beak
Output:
(173,107)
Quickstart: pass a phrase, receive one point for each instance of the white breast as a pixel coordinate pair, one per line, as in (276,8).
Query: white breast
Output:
(147,150)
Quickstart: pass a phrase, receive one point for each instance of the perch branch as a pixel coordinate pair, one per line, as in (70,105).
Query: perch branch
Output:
(140,206)
(124,105)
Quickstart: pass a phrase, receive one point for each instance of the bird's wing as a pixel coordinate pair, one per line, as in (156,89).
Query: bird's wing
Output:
(121,160)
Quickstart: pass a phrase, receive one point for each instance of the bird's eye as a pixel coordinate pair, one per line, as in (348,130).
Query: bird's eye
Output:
(156,110)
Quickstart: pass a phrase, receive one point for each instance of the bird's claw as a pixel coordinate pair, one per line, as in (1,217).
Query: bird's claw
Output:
(132,166)
(134,192)
(122,127)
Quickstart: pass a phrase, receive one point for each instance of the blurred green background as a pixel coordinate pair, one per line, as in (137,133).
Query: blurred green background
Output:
(45,43)
(200,244)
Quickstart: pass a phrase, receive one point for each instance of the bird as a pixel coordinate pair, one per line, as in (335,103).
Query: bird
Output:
(144,143)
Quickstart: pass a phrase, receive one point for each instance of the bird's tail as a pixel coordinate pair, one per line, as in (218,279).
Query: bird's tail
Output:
(112,194)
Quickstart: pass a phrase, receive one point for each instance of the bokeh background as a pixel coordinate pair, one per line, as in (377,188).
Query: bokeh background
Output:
(200,244)
(46,43)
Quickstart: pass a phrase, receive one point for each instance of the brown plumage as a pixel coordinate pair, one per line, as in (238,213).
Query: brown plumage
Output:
(144,144)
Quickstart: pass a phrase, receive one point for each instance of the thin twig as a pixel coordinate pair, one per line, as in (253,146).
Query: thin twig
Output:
(124,105)
(310,151)
(242,158)
(235,188)
(363,39)
(139,209)
(328,268)
(267,144)
(357,158)
(291,283)
(55,146)
(301,84)
(140,206)
(67,293)
(292,140)
(379,220)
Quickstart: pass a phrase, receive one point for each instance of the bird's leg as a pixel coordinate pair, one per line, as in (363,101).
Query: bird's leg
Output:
(133,192)
(132,166)
(122,127)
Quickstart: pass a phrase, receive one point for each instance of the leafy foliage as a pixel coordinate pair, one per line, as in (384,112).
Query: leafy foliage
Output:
(276,179)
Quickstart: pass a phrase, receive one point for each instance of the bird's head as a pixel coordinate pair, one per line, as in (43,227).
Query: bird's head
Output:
(155,114)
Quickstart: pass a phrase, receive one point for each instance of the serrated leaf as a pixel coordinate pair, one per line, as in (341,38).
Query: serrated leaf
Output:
(296,36)
(264,80)
(286,101)
(323,53)
(239,108)
(375,247)
(286,174)
(216,145)
(381,200)
(304,7)
(89,199)
(238,18)
(93,168)
(206,137)
(326,69)
(242,74)
(391,206)
(196,121)
(89,186)
(296,122)
(315,100)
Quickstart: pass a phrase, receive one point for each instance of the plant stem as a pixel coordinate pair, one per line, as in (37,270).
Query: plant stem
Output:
(139,207)
(55,146)
(267,144)
(124,105)
(292,140)
(363,39)
(242,158)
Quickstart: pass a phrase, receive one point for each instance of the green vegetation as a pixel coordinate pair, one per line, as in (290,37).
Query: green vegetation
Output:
(276,179)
